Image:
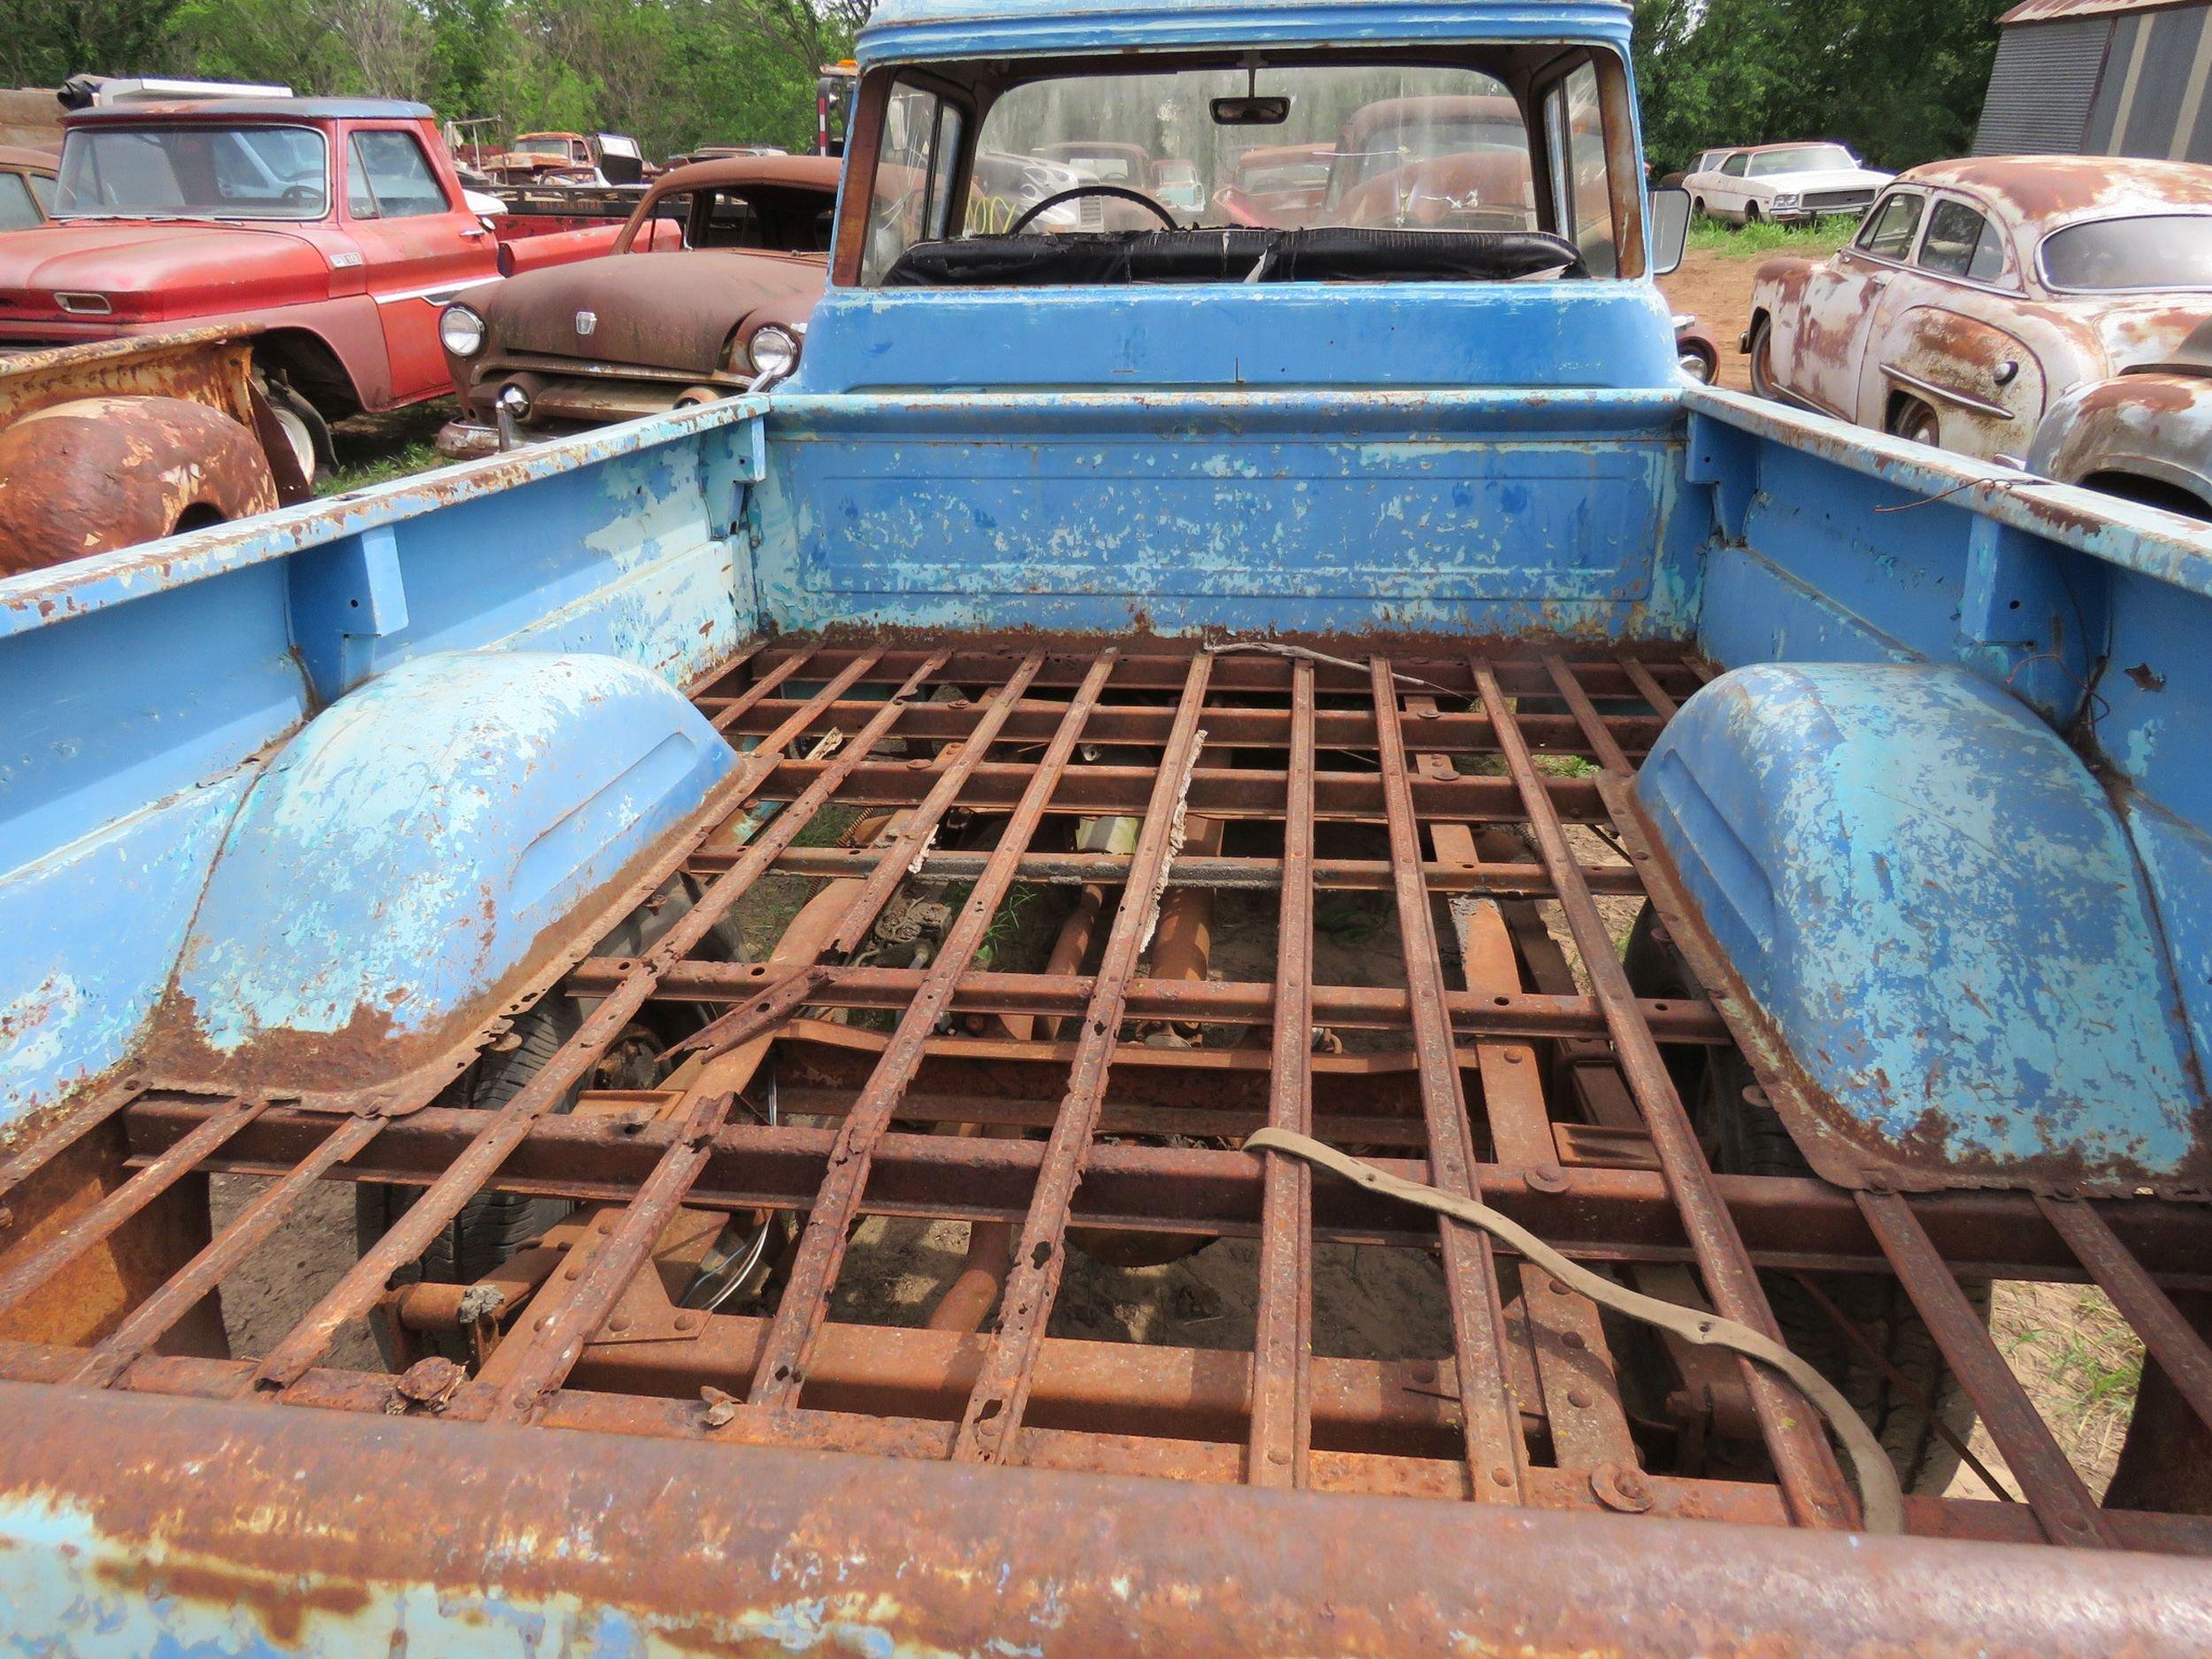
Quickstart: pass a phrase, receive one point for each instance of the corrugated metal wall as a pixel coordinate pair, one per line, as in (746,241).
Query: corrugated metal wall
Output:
(2127,84)
(2042,87)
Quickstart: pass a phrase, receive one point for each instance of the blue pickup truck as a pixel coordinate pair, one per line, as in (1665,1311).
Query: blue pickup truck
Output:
(1236,937)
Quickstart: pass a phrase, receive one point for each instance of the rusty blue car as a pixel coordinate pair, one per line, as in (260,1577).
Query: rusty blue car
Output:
(1227,936)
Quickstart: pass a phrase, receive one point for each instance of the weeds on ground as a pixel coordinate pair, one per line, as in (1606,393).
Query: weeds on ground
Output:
(2080,1364)
(380,469)
(1814,237)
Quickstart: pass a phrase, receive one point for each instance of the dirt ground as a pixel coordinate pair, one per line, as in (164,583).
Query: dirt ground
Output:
(1717,288)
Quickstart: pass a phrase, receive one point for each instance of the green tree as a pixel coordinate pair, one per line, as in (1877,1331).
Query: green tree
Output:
(1900,80)
(42,43)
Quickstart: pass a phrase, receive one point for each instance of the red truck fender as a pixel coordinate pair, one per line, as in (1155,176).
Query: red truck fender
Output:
(107,473)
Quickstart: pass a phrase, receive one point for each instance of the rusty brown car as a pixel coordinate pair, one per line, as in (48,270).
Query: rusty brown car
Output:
(653,326)
(1979,294)
(26,186)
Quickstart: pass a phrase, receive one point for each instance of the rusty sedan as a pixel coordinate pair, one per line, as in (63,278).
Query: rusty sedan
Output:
(651,328)
(1979,294)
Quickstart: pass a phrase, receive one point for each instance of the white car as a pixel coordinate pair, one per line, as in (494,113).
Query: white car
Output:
(1780,183)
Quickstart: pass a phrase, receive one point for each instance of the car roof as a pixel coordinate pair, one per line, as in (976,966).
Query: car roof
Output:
(916,30)
(1389,112)
(818,173)
(259,108)
(2040,188)
(32,160)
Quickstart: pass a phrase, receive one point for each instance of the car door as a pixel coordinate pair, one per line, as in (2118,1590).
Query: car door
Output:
(1703,174)
(1822,359)
(420,249)
(1729,193)
(1943,342)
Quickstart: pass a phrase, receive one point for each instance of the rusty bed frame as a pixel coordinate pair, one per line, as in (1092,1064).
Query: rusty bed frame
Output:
(1551,1102)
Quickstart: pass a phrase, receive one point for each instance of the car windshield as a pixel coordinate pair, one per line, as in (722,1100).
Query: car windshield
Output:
(195,170)
(2159,250)
(1802,159)
(1419,147)
(543,147)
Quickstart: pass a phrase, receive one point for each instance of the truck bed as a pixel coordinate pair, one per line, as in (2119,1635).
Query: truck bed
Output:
(1385,888)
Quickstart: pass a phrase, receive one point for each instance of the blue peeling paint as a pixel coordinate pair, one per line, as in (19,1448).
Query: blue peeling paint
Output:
(1930,897)
(425,834)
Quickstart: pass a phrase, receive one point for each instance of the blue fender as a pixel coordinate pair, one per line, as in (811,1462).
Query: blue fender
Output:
(1943,927)
(415,862)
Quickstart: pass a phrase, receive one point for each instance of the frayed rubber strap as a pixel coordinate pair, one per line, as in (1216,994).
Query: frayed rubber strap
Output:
(1880,1496)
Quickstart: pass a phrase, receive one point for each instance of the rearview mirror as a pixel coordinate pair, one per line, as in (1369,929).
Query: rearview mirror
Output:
(1668,228)
(1268,111)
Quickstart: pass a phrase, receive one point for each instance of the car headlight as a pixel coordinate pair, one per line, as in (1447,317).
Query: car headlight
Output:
(461,331)
(1787,198)
(774,350)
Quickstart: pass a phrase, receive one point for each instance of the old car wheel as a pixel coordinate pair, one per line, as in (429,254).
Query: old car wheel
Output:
(1747,1136)
(1762,357)
(1697,207)
(1918,423)
(491,1226)
(1751,214)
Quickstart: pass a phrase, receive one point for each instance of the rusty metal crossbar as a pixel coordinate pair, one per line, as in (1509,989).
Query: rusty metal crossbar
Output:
(1342,895)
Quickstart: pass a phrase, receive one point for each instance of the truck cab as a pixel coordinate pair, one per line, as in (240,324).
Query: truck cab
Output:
(339,224)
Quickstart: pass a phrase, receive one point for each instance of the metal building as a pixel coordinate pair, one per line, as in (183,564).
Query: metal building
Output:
(2101,77)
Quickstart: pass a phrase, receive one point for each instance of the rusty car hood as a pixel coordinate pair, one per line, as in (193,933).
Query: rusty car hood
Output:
(672,310)
(153,271)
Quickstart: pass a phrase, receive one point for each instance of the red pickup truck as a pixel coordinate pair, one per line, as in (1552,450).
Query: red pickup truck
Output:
(339,224)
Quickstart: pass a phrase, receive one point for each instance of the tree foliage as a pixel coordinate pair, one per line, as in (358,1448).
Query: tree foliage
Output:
(1899,81)
(672,73)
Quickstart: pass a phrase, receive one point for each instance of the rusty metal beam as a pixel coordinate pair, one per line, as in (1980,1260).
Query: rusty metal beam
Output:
(1489,1012)
(1497,1456)
(1281,1435)
(721,1543)
(1504,880)
(1802,1459)
(992,1422)
(805,1298)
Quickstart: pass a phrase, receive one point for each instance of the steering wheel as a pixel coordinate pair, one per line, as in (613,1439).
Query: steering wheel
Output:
(303,194)
(1118,190)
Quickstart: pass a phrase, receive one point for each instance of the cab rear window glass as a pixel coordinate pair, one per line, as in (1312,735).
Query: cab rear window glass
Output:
(2158,250)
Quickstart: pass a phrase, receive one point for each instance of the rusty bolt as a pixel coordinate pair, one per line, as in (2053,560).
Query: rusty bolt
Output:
(1623,1489)
(687,1322)
(1579,1398)
(428,1382)
(7,1217)
(620,1322)
(1547,1180)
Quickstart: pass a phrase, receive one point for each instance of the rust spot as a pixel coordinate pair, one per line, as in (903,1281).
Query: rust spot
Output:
(280,1602)
(2145,677)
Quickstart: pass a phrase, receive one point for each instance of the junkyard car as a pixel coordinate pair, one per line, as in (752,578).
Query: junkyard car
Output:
(1781,182)
(26,186)
(1978,295)
(651,328)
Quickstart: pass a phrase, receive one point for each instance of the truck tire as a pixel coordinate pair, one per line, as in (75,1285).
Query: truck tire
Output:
(491,1226)
(1747,1137)
(1761,351)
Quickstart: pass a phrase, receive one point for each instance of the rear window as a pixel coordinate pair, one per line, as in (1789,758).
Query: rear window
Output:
(2159,250)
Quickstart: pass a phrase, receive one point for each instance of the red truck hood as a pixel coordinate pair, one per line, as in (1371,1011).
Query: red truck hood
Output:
(152,273)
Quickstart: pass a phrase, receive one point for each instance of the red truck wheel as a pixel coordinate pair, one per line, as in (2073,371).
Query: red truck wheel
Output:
(108,473)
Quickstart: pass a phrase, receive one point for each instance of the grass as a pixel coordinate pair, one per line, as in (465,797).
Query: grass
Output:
(1816,237)
(377,448)
(2080,1364)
